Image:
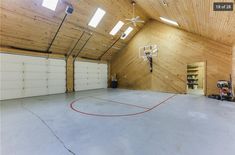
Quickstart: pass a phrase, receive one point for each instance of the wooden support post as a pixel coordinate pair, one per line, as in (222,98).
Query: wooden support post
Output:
(69,75)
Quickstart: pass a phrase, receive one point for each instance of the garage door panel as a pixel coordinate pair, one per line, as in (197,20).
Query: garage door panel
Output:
(54,62)
(81,81)
(35,92)
(34,60)
(56,82)
(56,69)
(35,76)
(33,84)
(94,80)
(39,62)
(104,77)
(81,70)
(56,76)
(90,76)
(56,90)
(81,76)
(92,71)
(11,84)
(78,83)
(25,76)
(35,68)
(10,58)
(11,76)
(11,67)
(93,68)
(10,93)
(93,76)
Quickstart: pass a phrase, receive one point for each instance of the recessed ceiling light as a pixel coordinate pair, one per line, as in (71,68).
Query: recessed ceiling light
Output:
(127,32)
(50,4)
(116,28)
(169,21)
(95,20)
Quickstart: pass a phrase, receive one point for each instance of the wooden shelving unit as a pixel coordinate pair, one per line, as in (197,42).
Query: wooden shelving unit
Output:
(192,77)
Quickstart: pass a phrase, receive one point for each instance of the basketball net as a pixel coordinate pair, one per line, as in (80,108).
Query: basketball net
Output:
(147,56)
(149,52)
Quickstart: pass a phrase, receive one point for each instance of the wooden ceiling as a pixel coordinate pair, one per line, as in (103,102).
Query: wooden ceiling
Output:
(26,24)
(196,16)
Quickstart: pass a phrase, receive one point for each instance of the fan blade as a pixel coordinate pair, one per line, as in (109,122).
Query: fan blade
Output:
(128,23)
(140,21)
(128,19)
(137,17)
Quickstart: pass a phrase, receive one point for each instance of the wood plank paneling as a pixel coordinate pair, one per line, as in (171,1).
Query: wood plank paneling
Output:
(32,53)
(69,74)
(196,16)
(177,48)
(26,24)
(233,67)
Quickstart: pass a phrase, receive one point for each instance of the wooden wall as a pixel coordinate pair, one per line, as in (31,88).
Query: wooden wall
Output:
(196,16)
(69,74)
(29,53)
(233,67)
(28,25)
(177,48)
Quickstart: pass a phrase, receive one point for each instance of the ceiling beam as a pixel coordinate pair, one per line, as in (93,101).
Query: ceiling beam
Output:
(75,45)
(48,49)
(82,47)
(109,47)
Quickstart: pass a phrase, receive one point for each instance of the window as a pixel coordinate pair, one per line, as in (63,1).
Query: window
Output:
(169,21)
(116,28)
(50,4)
(99,14)
(127,32)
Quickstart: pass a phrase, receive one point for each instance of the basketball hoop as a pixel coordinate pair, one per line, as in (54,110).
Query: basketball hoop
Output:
(147,53)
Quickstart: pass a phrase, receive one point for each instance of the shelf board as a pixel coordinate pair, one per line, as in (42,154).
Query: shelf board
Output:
(192,74)
(192,67)
(192,84)
(193,79)
(192,70)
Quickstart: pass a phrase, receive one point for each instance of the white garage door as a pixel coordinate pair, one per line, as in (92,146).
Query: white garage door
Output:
(90,75)
(25,76)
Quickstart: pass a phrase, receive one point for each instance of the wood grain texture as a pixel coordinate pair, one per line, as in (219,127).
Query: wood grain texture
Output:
(70,74)
(196,16)
(177,48)
(28,53)
(26,24)
(233,67)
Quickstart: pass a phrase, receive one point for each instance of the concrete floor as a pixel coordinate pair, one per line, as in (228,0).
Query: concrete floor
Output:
(196,91)
(182,125)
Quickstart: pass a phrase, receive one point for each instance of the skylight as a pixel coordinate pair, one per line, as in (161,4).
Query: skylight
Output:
(116,28)
(127,32)
(50,4)
(99,14)
(169,21)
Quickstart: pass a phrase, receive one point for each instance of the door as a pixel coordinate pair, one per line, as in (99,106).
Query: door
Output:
(26,76)
(90,75)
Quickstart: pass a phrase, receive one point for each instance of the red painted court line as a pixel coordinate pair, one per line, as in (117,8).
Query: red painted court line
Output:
(132,105)
(121,115)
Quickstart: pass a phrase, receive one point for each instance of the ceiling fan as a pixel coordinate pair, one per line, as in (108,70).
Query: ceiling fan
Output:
(135,19)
